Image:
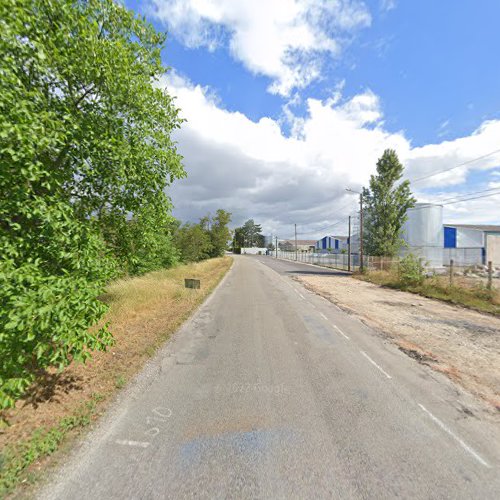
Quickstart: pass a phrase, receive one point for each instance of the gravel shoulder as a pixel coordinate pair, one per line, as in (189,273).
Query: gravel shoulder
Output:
(463,344)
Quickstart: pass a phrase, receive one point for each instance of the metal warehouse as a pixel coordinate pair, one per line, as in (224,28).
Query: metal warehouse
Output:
(426,236)
(333,243)
(472,243)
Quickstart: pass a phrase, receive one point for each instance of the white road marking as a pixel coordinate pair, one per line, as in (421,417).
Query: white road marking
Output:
(335,326)
(126,442)
(341,332)
(375,364)
(464,445)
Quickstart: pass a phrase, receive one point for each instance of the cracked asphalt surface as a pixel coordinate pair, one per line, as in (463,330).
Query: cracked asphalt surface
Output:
(270,391)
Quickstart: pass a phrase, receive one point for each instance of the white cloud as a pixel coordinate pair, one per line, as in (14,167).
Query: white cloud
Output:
(429,159)
(387,5)
(253,170)
(286,40)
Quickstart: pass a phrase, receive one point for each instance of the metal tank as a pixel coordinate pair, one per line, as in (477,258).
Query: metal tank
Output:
(423,233)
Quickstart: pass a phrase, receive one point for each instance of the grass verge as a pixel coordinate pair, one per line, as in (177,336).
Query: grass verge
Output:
(144,312)
(461,293)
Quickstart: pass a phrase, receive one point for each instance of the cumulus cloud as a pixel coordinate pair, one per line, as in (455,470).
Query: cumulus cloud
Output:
(254,170)
(286,40)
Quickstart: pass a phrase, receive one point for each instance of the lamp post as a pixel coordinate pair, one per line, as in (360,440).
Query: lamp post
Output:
(361,264)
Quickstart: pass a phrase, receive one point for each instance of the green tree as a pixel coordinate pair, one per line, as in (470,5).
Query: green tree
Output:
(193,242)
(220,233)
(249,235)
(386,203)
(85,156)
(239,238)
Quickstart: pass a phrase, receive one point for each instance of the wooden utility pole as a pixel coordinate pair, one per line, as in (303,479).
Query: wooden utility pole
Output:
(349,247)
(361,266)
(490,275)
(276,248)
(295,241)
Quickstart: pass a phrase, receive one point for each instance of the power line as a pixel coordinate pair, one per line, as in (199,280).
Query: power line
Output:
(326,227)
(329,225)
(471,193)
(474,198)
(418,179)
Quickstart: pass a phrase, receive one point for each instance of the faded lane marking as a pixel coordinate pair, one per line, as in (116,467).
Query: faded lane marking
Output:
(375,364)
(335,326)
(464,445)
(138,444)
(340,331)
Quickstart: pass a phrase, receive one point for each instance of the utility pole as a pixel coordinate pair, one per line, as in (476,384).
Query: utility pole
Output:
(276,247)
(361,266)
(349,247)
(295,241)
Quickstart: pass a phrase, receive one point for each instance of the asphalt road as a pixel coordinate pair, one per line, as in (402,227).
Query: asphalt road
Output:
(270,391)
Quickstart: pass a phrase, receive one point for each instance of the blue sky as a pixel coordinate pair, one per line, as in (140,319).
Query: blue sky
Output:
(421,72)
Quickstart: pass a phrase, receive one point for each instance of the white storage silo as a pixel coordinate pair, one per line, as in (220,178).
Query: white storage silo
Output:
(423,233)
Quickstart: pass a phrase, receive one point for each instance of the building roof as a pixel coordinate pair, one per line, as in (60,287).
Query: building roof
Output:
(334,237)
(479,227)
(304,242)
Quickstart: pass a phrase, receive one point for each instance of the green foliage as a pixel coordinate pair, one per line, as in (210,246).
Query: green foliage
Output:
(386,203)
(220,233)
(206,239)
(249,235)
(85,157)
(411,271)
(142,243)
(193,242)
(120,381)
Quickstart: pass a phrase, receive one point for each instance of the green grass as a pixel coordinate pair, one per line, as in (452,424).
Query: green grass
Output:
(474,297)
(120,381)
(16,460)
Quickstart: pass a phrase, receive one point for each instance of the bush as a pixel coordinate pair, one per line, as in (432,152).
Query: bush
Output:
(411,271)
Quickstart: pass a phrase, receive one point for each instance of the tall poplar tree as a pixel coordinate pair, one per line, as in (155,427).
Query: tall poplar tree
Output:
(386,203)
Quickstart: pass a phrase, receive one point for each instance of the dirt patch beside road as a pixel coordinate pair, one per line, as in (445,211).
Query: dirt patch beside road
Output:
(463,344)
(144,312)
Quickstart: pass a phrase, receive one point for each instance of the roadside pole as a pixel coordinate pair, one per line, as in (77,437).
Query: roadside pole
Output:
(349,247)
(295,241)
(490,275)
(361,263)
(276,247)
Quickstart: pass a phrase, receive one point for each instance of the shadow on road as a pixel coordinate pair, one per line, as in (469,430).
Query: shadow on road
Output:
(322,272)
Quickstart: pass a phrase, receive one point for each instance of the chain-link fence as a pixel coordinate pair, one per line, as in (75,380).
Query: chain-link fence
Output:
(458,273)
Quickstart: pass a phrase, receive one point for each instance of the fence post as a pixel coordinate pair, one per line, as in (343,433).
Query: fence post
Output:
(451,272)
(490,275)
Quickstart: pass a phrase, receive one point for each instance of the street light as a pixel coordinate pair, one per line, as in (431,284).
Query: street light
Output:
(349,190)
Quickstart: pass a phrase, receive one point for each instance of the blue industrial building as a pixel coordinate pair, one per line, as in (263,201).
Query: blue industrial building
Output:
(471,243)
(335,243)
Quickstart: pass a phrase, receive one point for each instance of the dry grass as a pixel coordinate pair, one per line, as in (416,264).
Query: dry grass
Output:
(144,312)
(464,291)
